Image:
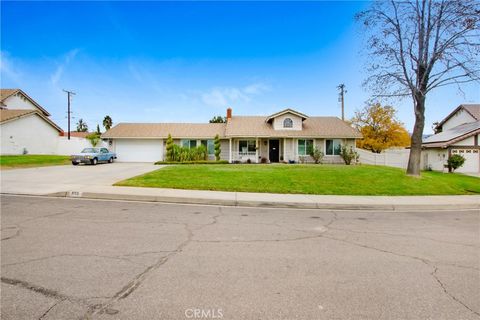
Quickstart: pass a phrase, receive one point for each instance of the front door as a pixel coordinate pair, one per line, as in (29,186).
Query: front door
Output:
(274,150)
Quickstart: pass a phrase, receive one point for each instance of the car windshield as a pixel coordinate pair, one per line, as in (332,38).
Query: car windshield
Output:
(89,150)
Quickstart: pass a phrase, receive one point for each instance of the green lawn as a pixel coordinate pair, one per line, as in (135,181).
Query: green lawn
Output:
(307,179)
(32,160)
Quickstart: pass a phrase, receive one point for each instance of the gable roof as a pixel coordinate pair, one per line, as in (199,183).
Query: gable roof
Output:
(313,127)
(453,135)
(288,110)
(6,93)
(472,109)
(162,130)
(7,115)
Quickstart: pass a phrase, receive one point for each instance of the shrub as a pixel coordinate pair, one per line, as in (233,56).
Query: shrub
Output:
(94,138)
(217,147)
(455,161)
(316,154)
(193,162)
(263,160)
(170,148)
(176,153)
(249,161)
(348,155)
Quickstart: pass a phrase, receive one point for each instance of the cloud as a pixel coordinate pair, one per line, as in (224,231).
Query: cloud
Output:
(224,96)
(7,68)
(67,58)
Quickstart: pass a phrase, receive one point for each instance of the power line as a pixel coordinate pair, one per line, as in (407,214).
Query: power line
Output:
(341,98)
(69,93)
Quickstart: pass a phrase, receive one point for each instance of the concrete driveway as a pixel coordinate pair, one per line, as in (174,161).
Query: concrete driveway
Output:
(47,180)
(84,259)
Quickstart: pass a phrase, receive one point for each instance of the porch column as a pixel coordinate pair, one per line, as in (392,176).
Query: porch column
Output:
(257,146)
(230,151)
(284,150)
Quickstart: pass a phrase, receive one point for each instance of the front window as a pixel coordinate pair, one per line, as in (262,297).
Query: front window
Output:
(305,147)
(210,145)
(245,146)
(90,150)
(288,123)
(189,143)
(333,147)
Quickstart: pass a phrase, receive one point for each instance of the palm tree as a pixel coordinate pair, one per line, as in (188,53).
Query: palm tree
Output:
(107,122)
(82,126)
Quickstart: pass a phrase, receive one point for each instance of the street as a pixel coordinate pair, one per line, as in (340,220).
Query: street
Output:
(96,259)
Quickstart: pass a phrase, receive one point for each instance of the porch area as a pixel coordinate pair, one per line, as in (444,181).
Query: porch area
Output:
(269,150)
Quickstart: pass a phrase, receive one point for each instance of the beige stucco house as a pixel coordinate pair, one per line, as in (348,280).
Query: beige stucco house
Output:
(457,133)
(281,137)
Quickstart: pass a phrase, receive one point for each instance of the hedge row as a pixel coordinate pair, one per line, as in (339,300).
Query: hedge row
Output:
(193,162)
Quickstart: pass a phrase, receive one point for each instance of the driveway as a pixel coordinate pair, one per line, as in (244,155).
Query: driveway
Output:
(46,180)
(89,259)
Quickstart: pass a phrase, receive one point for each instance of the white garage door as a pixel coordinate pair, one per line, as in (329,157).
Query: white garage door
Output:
(136,150)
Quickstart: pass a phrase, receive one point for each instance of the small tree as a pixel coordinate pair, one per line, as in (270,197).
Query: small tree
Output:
(317,155)
(380,128)
(94,138)
(217,148)
(82,126)
(455,161)
(98,130)
(170,148)
(218,119)
(348,155)
(107,122)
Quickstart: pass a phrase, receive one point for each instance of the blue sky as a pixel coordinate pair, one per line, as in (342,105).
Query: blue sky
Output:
(186,62)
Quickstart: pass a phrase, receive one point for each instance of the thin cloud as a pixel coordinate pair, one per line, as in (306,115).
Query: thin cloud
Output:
(68,57)
(7,67)
(223,96)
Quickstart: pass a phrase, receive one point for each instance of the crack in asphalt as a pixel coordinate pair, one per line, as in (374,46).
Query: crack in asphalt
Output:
(138,280)
(49,309)
(434,275)
(17,233)
(38,289)
(406,236)
(68,255)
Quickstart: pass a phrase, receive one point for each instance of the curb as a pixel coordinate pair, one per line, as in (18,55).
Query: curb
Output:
(265,204)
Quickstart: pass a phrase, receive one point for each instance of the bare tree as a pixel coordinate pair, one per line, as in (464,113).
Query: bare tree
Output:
(416,46)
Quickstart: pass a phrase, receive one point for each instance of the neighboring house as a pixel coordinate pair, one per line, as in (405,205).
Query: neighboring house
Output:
(25,126)
(458,133)
(283,136)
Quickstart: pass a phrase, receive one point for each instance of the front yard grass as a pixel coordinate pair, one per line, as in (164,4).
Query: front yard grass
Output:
(306,179)
(32,160)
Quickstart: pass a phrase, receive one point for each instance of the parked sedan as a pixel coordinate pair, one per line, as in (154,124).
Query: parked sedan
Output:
(93,156)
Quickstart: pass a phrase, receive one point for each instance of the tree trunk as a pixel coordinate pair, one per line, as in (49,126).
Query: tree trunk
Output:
(416,142)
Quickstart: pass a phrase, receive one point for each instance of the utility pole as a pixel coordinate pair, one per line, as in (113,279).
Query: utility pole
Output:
(341,98)
(69,93)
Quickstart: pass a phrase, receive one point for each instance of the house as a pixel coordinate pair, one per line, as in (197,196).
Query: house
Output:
(284,136)
(25,126)
(457,133)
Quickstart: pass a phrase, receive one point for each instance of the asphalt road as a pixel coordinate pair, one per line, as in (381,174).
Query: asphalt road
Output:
(84,259)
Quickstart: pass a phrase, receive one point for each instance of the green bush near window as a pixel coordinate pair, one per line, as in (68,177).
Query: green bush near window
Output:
(317,155)
(182,154)
(170,145)
(348,155)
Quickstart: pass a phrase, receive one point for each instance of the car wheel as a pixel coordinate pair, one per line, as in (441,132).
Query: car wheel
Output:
(94,161)
(74,163)
(110,160)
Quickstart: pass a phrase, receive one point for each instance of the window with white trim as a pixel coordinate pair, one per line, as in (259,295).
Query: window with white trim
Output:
(210,145)
(288,123)
(333,147)
(304,147)
(245,146)
(189,143)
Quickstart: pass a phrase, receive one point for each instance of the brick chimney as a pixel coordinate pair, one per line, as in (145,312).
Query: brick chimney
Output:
(229,114)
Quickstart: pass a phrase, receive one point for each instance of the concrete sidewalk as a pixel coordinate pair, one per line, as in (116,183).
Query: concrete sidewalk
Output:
(300,201)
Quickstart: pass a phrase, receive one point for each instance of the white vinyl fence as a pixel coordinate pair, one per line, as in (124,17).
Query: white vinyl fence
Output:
(74,145)
(392,157)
